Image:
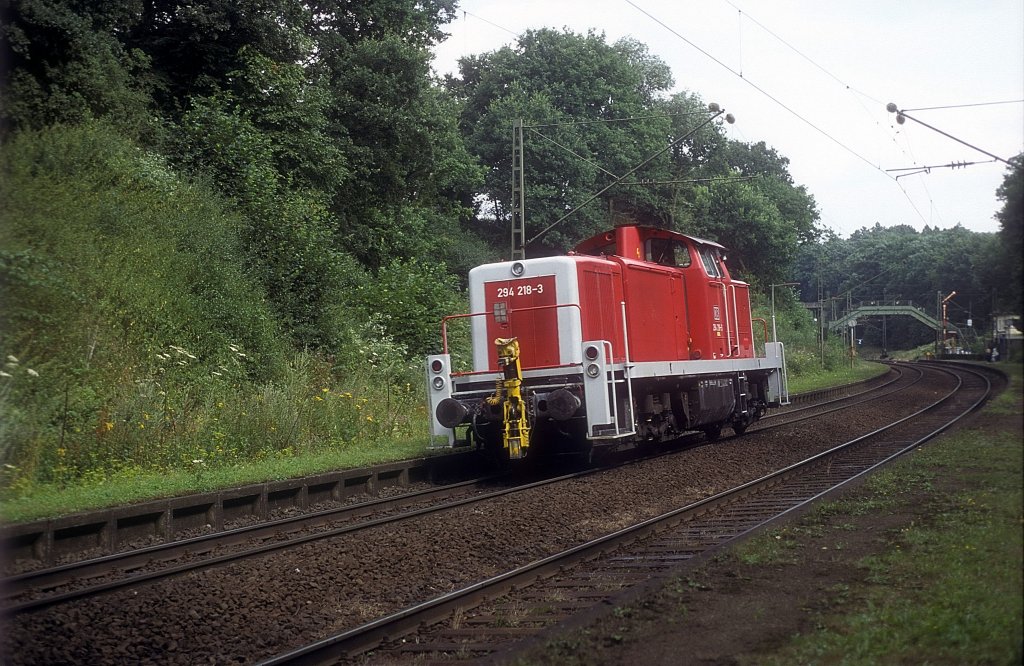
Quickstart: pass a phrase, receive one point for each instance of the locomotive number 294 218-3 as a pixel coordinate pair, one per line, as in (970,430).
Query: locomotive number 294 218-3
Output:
(520,290)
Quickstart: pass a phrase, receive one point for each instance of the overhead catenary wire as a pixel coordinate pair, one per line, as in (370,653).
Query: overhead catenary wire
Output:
(616,120)
(928,168)
(966,106)
(491,23)
(756,87)
(801,54)
(779,102)
(714,108)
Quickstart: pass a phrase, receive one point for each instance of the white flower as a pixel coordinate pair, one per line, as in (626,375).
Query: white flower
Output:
(4,374)
(32,372)
(12,359)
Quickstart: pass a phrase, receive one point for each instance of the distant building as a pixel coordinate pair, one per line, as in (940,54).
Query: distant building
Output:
(1007,337)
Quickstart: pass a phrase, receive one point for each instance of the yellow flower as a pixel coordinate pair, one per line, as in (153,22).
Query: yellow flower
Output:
(325,390)
(316,397)
(370,419)
(108,425)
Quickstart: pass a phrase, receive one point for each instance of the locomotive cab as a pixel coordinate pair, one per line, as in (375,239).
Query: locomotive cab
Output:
(638,334)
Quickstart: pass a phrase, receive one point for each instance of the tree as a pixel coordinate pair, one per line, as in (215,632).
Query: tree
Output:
(62,63)
(1011,233)
(573,89)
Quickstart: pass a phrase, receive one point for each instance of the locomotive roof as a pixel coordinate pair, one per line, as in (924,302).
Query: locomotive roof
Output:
(646,232)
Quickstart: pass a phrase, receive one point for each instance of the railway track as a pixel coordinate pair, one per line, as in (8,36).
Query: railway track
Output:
(128,605)
(469,624)
(42,588)
(97,534)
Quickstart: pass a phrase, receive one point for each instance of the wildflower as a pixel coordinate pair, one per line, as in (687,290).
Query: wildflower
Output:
(4,374)
(108,425)
(369,419)
(32,373)
(325,390)
(318,398)
(12,359)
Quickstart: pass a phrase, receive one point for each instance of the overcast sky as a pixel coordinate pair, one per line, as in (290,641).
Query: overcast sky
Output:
(834,65)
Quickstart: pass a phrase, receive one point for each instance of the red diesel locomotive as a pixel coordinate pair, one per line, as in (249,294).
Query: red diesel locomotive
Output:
(639,334)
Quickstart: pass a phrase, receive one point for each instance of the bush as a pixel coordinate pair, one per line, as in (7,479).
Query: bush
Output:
(134,339)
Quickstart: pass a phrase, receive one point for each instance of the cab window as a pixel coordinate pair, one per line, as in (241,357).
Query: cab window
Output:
(603,251)
(709,258)
(667,252)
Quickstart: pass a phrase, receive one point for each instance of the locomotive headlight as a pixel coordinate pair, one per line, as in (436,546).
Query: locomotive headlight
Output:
(438,383)
(593,371)
(436,365)
(518,268)
(591,352)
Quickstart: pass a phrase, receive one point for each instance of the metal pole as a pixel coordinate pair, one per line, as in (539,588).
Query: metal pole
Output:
(775,337)
(518,193)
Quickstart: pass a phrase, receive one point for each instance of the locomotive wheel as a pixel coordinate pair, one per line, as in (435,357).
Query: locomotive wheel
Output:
(740,425)
(713,432)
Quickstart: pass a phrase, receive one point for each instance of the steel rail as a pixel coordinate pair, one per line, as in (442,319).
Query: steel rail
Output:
(38,604)
(111,518)
(868,395)
(133,559)
(392,627)
(129,561)
(52,600)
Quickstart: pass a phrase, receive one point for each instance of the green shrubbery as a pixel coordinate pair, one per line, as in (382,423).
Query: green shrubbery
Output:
(797,328)
(137,333)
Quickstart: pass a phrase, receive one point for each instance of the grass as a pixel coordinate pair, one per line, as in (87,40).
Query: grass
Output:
(127,486)
(818,379)
(947,589)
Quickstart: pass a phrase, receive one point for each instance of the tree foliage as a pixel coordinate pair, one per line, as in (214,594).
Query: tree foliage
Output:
(1011,234)
(899,265)
(595,111)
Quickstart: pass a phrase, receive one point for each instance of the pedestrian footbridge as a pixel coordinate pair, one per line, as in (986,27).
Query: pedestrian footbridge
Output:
(863,311)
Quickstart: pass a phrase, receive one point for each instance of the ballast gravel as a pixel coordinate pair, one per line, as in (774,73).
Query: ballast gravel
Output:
(251,610)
